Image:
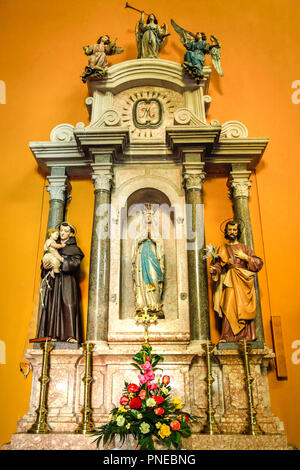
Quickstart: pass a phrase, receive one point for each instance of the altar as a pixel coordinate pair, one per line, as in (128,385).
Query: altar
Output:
(149,142)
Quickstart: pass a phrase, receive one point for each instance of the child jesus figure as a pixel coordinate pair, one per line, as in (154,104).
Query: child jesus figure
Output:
(51,256)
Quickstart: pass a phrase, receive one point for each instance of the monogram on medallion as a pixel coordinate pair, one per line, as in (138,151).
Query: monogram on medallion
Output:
(147,113)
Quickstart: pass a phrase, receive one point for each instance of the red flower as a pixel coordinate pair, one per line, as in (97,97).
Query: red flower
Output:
(175,425)
(132,388)
(184,417)
(151,386)
(135,403)
(165,380)
(142,394)
(159,411)
(158,399)
(124,400)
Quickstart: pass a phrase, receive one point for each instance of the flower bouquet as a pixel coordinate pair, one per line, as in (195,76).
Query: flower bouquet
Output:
(147,411)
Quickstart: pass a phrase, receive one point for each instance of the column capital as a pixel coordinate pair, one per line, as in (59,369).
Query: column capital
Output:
(102,181)
(239,183)
(102,175)
(193,176)
(193,181)
(57,187)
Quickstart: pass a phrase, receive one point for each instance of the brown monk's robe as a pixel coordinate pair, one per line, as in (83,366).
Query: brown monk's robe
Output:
(60,317)
(234,295)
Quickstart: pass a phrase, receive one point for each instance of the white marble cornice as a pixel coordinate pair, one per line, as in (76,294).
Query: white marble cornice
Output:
(152,72)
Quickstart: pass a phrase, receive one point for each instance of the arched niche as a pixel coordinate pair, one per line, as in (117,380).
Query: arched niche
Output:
(130,218)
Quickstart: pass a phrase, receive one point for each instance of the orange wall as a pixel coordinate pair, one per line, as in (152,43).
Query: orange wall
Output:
(41,62)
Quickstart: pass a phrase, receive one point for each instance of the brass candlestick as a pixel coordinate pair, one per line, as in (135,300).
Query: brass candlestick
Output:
(87,425)
(40,426)
(210,427)
(146,319)
(252,427)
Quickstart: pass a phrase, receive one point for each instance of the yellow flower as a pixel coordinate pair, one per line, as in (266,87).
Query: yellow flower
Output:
(158,425)
(164,431)
(120,421)
(151,402)
(122,410)
(131,395)
(128,426)
(139,416)
(144,427)
(164,390)
(177,403)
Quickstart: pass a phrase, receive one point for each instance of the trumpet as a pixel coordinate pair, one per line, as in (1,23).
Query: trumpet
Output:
(140,11)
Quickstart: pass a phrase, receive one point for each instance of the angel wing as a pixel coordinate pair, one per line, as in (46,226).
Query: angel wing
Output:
(139,37)
(215,53)
(113,49)
(118,50)
(183,33)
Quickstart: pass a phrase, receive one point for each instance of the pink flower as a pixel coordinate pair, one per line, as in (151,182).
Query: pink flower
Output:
(142,394)
(142,379)
(147,366)
(151,386)
(149,377)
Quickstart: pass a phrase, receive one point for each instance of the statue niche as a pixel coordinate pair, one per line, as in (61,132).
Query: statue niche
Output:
(148,256)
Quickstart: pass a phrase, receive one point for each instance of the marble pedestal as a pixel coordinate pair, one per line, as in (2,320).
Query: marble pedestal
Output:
(185,364)
(66,441)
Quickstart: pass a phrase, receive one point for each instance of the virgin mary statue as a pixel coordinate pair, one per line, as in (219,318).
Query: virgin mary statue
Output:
(148,266)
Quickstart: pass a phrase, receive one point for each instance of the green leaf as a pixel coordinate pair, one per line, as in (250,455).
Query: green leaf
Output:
(185,432)
(168,441)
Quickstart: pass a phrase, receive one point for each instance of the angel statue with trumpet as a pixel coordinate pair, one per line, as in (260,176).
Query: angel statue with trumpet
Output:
(149,36)
(97,65)
(197,47)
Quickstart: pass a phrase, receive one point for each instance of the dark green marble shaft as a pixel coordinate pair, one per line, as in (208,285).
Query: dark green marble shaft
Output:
(56,212)
(97,321)
(241,211)
(198,287)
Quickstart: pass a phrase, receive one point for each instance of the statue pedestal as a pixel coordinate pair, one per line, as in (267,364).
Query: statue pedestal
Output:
(185,364)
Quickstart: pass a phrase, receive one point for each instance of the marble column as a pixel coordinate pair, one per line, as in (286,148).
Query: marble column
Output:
(240,184)
(198,287)
(97,321)
(58,191)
